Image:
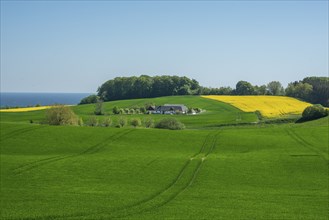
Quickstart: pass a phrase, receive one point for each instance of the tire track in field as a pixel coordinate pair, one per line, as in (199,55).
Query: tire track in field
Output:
(91,150)
(305,143)
(20,131)
(183,181)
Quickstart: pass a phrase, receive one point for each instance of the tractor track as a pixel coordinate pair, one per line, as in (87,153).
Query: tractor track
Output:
(20,131)
(160,199)
(91,150)
(180,183)
(305,144)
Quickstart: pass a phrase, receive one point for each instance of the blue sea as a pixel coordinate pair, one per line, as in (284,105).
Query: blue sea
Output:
(31,99)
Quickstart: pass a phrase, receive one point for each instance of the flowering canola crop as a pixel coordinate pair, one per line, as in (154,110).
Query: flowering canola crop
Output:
(28,109)
(269,106)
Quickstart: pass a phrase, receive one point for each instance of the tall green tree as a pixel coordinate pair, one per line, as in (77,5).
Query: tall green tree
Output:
(244,88)
(275,88)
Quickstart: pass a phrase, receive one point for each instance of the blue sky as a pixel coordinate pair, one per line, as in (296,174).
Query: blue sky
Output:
(59,46)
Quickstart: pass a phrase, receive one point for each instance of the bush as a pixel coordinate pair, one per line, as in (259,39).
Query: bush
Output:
(314,112)
(127,110)
(99,108)
(135,122)
(116,110)
(89,100)
(149,122)
(170,123)
(80,122)
(107,122)
(131,111)
(61,115)
(92,121)
(122,121)
(142,110)
(121,111)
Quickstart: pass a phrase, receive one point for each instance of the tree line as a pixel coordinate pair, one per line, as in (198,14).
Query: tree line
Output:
(311,89)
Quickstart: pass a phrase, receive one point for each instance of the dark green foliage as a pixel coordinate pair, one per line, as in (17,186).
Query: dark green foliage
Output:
(311,89)
(89,100)
(299,90)
(61,115)
(136,122)
(320,92)
(146,86)
(99,110)
(170,123)
(116,110)
(314,112)
(142,110)
(244,88)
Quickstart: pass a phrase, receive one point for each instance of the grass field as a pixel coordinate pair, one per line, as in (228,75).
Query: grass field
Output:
(228,172)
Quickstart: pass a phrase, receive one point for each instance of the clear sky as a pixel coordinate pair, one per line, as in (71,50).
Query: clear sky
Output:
(75,46)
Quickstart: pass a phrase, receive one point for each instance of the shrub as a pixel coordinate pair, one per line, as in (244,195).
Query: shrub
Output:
(135,122)
(131,111)
(149,122)
(61,115)
(92,121)
(170,123)
(142,110)
(122,121)
(107,122)
(314,112)
(121,111)
(80,122)
(137,111)
(89,100)
(116,110)
(127,110)
(99,108)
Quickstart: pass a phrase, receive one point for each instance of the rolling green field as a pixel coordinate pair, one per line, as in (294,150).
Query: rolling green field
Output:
(208,171)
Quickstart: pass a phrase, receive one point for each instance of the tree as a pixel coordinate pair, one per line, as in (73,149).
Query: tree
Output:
(89,100)
(135,122)
(142,110)
(299,90)
(149,122)
(80,122)
(107,122)
(116,110)
(320,93)
(244,88)
(99,108)
(170,123)
(275,88)
(314,112)
(92,121)
(122,121)
(61,115)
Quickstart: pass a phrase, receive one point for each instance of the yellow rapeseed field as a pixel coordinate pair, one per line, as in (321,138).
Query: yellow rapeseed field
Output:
(28,109)
(269,106)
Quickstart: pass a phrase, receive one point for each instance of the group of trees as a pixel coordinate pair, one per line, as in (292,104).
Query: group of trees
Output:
(146,87)
(311,89)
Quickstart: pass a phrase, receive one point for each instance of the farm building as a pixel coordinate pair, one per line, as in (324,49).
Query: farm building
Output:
(168,109)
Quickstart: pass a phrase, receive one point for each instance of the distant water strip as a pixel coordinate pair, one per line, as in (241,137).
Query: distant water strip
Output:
(12,99)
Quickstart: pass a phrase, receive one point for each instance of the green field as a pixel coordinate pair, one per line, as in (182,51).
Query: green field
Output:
(208,171)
